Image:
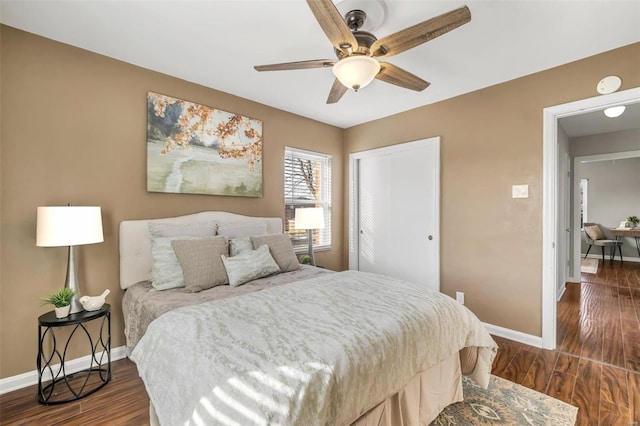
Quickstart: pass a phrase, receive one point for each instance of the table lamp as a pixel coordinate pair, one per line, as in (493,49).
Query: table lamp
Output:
(69,226)
(310,218)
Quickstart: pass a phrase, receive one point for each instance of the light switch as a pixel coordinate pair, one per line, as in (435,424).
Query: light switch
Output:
(520,191)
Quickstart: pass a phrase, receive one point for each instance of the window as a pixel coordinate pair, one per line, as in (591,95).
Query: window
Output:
(307,183)
(584,184)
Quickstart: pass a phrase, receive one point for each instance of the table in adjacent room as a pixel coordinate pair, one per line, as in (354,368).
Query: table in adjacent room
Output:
(628,232)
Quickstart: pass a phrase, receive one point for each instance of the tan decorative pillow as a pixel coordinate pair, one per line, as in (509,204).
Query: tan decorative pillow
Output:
(281,249)
(201,263)
(594,232)
(165,270)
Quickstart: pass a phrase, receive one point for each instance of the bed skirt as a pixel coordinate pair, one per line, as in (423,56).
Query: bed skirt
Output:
(418,403)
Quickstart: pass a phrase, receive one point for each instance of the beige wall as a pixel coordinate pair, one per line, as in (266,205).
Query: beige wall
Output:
(491,244)
(74,130)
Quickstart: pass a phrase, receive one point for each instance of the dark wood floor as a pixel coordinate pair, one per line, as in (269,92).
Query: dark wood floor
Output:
(596,366)
(123,401)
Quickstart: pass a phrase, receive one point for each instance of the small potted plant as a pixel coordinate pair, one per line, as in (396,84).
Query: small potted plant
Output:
(61,300)
(633,220)
(305,260)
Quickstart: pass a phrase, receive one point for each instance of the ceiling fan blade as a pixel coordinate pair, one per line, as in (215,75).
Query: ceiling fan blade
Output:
(395,75)
(337,90)
(300,65)
(333,25)
(420,33)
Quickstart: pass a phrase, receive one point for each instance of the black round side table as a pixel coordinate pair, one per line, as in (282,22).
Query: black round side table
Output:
(64,386)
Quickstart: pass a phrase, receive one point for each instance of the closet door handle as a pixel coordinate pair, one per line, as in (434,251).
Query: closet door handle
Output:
(430,237)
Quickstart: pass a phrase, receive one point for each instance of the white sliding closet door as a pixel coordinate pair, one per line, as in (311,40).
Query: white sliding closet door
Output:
(375,214)
(396,212)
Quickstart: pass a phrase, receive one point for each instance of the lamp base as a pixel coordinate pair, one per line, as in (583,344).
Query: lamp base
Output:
(310,249)
(71,282)
(75,306)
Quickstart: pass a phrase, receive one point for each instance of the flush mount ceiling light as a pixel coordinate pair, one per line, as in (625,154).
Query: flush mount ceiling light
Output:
(609,84)
(616,111)
(356,72)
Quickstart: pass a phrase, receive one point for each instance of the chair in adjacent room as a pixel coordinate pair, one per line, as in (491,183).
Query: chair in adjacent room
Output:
(596,237)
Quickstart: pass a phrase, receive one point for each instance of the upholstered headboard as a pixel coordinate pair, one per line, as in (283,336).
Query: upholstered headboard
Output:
(135,243)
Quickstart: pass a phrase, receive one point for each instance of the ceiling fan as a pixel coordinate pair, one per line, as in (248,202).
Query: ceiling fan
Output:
(357,50)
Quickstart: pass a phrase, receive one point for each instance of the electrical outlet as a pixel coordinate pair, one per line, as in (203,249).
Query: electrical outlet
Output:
(460,297)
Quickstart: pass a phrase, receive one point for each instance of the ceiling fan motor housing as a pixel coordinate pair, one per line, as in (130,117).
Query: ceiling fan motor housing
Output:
(365,40)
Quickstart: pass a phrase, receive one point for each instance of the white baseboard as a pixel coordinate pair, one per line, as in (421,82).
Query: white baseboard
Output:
(514,335)
(561,292)
(30,378)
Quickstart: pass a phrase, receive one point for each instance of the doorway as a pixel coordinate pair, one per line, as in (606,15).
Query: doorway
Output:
(552,224)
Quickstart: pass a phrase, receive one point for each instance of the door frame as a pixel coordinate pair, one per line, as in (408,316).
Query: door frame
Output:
(550,219)
(354,195)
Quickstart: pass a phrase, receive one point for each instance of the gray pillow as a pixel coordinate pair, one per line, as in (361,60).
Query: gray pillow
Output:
(239,245)
(202,267)
(249,265)
(281,249)
(199,229)
(242,229)
(594,232)
(166,272)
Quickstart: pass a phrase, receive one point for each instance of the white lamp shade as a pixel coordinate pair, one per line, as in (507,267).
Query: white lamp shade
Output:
(356,72)
(309,218)
(68,226)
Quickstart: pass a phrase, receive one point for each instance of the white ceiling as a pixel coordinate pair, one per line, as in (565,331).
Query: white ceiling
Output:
(216,43)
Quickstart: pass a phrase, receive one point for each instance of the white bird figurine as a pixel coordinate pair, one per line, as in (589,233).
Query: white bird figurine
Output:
(93,303)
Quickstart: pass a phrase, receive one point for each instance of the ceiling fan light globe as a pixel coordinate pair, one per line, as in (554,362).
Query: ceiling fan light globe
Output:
(356,72)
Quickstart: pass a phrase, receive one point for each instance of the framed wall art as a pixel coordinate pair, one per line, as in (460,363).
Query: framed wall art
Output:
(196,149)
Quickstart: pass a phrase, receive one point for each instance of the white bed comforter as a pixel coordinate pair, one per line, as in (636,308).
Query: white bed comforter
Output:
(317,352)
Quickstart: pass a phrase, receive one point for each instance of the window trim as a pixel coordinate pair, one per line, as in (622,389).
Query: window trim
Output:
(326,202)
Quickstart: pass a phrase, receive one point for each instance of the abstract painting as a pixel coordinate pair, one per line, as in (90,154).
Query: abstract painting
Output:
(196,149)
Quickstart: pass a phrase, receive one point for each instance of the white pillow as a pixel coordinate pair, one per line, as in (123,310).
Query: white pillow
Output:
(198,229)
(166,272)
(239,245)
(242,229)
(249,265)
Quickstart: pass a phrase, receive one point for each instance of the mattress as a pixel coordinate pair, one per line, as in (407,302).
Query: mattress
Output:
(321,351)
(141,304)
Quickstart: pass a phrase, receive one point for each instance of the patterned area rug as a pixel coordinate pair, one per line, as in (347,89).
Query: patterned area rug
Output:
(589,266)
(505,403)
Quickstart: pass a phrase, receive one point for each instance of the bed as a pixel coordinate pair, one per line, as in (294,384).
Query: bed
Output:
(304,347)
